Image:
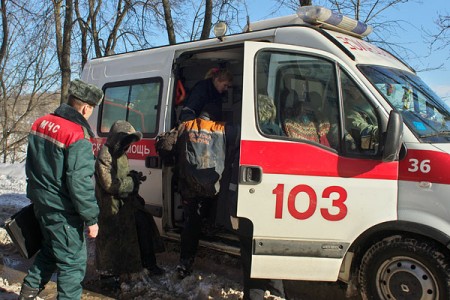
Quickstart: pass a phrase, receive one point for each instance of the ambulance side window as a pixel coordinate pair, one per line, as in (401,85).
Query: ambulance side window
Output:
(136,102)
(361,135)
(297,98)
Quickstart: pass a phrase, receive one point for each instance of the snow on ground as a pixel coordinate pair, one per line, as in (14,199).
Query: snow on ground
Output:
(12,198)
(217,277)
(12,185)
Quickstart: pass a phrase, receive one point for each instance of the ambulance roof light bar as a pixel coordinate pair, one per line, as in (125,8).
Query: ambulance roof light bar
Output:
(318,15)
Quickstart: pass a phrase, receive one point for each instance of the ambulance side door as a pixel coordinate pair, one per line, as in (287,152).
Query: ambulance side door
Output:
(137,89)
(308,184)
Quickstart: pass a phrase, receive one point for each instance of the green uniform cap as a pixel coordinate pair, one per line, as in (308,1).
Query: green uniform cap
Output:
(88,93)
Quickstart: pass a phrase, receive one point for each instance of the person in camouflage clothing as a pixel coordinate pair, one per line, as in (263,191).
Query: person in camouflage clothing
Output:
(361,121)
(59,168)
(124,244)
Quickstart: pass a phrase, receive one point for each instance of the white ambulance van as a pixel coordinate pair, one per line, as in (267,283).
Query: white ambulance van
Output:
(354,185)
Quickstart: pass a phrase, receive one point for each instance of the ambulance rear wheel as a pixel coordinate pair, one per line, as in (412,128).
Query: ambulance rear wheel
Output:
(404,268)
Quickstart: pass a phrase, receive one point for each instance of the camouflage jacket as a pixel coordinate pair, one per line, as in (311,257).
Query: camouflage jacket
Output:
(363,128)
(117,247)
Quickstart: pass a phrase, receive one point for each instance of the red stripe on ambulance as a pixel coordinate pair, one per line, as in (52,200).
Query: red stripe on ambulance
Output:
(139,150)
(305,159)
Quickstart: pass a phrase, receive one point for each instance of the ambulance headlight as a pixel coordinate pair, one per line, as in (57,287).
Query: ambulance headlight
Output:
(220,29)
(333,20)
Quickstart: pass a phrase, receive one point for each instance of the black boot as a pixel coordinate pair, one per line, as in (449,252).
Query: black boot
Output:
(28,292)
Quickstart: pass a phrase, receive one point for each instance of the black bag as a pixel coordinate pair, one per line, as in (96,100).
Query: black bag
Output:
(24,230)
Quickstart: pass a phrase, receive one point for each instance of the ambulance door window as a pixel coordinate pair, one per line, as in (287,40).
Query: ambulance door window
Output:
(361,135)
(135,102)
(297,98)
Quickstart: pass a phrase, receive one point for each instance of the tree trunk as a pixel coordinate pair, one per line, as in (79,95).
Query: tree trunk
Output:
(63,43)
(67,41)
(3,46)
(84,33)
(207,20)
(169,22)
(305,2)
(122,9)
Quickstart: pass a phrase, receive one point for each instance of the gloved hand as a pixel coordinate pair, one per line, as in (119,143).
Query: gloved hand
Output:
(138,178)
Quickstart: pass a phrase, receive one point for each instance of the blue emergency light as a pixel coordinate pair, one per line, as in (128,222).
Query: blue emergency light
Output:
(332,20)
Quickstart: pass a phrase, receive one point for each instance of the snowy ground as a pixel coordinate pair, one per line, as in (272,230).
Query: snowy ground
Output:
(218,276)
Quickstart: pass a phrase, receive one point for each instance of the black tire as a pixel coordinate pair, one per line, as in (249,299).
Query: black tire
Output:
(404,268)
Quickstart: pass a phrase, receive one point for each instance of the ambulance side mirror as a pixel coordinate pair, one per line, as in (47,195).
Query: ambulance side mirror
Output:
(393,137)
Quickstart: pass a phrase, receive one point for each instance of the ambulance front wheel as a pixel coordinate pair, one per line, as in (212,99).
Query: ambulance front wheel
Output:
(404,268)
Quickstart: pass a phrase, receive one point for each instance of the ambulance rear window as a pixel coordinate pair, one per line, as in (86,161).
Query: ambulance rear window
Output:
(136,102)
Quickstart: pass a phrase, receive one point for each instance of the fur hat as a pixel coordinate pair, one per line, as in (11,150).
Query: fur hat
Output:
(87,93)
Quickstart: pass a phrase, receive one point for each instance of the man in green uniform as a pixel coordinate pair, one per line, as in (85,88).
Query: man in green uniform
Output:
(59,168)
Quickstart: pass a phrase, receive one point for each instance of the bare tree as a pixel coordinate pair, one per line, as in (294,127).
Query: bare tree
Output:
(28,73)
(84,26)
(169,22)
(441,39)
(5,33)
(40,44)
(294,4)
(370,12)
(191,20)
(63,35)
(101,26)
(305,2)
(207,20)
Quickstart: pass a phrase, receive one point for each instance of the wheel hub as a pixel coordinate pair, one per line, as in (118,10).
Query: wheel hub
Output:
(406,278)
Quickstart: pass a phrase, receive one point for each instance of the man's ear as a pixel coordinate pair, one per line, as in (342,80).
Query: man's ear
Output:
(84,109)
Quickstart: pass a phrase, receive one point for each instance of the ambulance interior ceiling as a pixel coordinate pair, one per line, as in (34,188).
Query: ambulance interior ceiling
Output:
(193,66)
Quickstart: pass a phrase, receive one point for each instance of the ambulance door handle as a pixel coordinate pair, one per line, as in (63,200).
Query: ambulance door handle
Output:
(153,162)
(251,175)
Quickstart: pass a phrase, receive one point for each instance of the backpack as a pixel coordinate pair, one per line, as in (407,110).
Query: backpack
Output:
(201,151)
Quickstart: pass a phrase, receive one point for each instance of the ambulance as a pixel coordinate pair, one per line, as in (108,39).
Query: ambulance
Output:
(370,206)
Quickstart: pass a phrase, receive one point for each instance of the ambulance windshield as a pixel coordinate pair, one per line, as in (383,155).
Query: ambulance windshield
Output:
(422,110)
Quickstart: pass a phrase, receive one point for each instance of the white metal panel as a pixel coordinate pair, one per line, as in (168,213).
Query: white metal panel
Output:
(282,267)
(365,207)
(424,186)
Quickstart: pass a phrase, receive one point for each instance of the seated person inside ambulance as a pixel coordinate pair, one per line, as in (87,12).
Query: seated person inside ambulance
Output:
(210,90)
(267,114)
(303,124)
(360,119)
